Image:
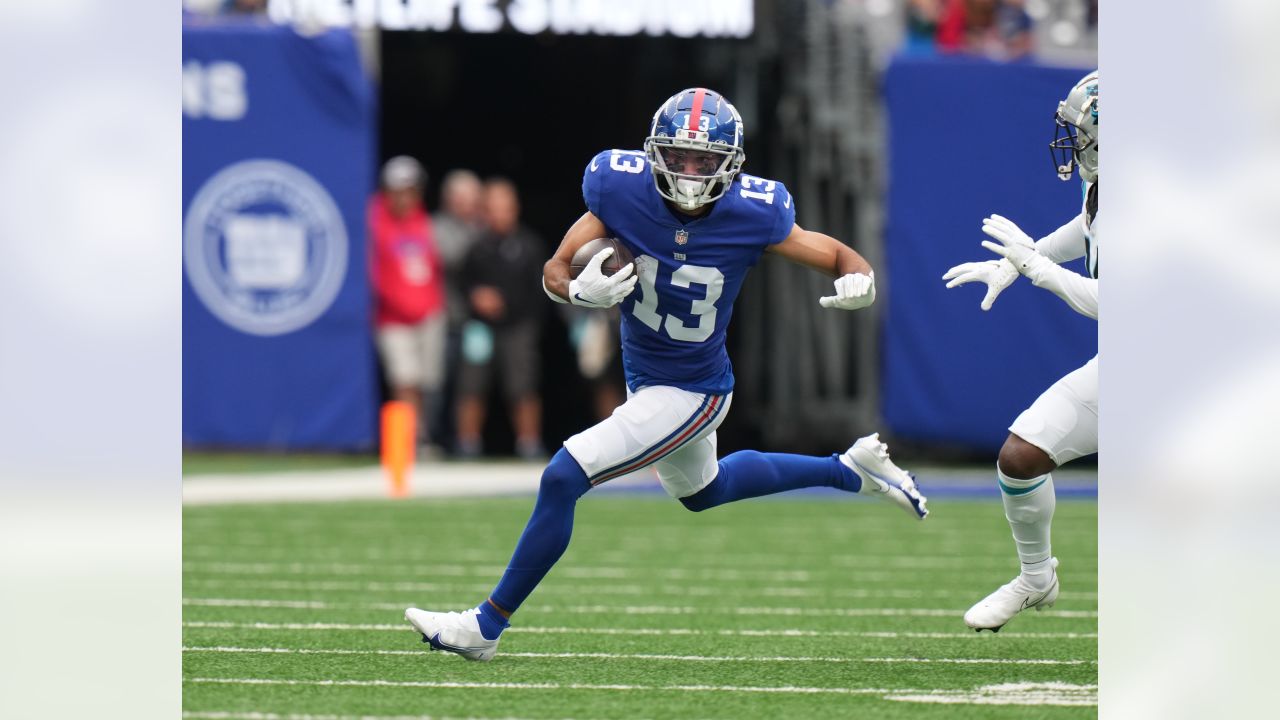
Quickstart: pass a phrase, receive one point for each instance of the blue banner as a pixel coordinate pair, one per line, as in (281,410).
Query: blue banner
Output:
(969,138)
(277,161)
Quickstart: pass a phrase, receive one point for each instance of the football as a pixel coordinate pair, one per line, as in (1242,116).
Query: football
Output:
(612,264)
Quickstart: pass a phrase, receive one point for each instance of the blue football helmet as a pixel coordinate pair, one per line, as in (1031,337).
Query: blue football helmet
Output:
(695,147)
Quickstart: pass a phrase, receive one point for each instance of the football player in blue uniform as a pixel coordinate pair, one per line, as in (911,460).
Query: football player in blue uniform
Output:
(695,225)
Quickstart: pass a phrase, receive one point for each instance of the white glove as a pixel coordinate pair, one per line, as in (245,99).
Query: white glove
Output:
(594,289)
(853,292)
(1015,246)
(997,274)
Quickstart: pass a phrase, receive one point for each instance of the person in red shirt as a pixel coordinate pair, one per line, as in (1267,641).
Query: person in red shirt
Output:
(408,284)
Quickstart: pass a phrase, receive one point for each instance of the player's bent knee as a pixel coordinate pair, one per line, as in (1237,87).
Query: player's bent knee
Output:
(1021,460)
(708,497)
(697,502)
(704,499)
(564,477)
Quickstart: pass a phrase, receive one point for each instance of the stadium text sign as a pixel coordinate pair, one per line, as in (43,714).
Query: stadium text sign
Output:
(682,18)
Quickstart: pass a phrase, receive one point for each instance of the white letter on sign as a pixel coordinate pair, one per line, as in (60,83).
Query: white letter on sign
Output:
(480,16)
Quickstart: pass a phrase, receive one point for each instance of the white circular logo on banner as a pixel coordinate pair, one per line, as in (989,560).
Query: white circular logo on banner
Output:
(265,247)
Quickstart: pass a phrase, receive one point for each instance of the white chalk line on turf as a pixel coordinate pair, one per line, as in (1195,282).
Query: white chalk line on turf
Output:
(631,609)
(1019,693)
(579,572)
(785,689)
(648,656)
(386,627)
(625,590)
(744,561)
(1005,694)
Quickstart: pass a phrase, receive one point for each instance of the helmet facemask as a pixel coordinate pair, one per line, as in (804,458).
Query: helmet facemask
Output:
(692,172)
(1075,142)
(1073,146)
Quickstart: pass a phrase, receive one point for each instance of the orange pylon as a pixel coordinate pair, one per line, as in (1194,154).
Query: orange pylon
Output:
(399,428)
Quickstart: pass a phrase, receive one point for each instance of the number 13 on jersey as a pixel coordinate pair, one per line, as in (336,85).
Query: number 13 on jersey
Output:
(704,309)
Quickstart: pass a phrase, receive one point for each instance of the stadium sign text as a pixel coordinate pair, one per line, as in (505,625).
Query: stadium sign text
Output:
(682,18)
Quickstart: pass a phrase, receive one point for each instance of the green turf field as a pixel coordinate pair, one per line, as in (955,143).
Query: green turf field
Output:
(805,608)
(248,464)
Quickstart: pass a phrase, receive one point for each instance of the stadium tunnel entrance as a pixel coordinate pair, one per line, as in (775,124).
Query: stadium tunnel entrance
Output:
(535,109)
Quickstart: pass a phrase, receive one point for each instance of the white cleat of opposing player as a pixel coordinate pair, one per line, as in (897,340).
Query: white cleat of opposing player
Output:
(869,458)
(453,632)
(993,611)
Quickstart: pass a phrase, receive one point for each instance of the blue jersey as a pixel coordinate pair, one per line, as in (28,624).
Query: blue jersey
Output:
(690,270)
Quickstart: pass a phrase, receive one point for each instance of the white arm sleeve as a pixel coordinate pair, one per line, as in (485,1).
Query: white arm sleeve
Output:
(1078,291)
(1064,244)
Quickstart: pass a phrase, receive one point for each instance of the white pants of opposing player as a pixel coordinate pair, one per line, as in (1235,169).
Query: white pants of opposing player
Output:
(670,428)
(1063,421)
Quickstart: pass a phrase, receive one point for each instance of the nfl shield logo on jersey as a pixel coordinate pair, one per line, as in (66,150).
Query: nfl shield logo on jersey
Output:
(682,237)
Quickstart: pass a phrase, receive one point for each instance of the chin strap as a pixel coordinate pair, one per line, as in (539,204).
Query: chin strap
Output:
(689,200)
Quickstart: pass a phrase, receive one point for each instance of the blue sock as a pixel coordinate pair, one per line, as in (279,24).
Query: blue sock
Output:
(491,622)
(545,536)
(749,474)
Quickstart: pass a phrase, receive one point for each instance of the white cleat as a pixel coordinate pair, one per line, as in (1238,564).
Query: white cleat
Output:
(453,632)
(869,458)
(993,611)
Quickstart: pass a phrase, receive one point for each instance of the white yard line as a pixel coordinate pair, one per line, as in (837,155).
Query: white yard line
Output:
(746,560)
(627,590)
(1005,694)
(490,572)
(786,689)
(644,656)
(1020,693)
(345,564)
(634,609)
(544,630)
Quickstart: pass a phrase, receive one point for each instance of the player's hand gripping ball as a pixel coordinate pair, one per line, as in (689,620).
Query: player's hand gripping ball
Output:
(602,274)
(620,258)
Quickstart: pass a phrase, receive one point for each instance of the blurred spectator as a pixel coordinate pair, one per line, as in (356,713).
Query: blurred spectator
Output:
(457,225)
(996,28)
(245,7)
(1013,29)
(953,24)
(922,24)
(214,8)
(980,26)
(501,282)
(408,285)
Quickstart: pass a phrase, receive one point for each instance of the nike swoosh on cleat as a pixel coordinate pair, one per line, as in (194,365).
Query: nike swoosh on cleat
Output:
(437,644)
(915,501)
(1026,602)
